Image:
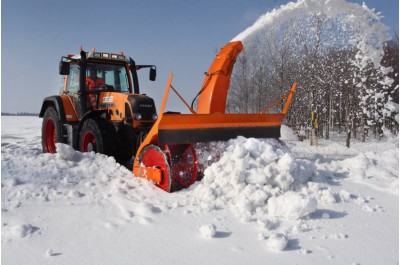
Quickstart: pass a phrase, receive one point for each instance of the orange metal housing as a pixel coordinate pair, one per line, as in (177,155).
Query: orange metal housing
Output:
(215,86)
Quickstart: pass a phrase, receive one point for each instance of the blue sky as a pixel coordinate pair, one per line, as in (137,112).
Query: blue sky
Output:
(178,36)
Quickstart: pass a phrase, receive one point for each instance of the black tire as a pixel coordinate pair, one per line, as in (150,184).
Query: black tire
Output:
(97,135)
(51,130)
(126,145)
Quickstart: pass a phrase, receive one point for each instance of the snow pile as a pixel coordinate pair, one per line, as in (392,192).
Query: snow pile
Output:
(257,180)
(65,175)
(260,181)
(248,174)
(73,177)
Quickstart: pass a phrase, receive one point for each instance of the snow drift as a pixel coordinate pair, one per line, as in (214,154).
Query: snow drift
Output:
(249,176)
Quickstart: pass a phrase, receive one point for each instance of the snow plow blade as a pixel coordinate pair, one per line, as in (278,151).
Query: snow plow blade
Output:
(193,128)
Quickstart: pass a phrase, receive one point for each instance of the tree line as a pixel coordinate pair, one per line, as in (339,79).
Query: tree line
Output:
(19,114)
(346,91)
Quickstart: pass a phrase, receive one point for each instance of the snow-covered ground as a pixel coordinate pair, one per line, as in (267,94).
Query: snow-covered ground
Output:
(263,202)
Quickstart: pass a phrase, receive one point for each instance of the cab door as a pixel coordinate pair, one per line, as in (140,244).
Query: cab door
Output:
(72,89)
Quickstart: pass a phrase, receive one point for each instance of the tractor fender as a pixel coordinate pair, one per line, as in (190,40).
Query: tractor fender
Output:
(57,103)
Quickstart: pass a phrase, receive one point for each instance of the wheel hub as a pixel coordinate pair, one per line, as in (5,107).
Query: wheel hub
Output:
(91,147)
(89,142)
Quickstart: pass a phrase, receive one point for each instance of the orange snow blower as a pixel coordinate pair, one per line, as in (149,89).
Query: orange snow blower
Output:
(100,109)
(167,155)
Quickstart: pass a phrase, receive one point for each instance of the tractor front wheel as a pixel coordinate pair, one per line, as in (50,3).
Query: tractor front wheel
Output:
(97,135)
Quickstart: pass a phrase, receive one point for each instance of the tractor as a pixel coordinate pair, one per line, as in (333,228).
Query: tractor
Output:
(111,116)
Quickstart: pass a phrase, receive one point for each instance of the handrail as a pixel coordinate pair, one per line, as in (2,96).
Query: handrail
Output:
(289,99)
(288,95)
(274,104)
(183,100)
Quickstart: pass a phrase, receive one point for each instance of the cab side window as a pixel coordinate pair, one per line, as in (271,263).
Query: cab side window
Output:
(73,80)
(62,84)
(123,80)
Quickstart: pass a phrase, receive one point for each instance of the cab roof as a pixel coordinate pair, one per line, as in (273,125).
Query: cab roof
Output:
(102,55)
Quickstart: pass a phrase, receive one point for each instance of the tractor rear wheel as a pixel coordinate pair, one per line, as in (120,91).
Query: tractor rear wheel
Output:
(51,131)
(97,135)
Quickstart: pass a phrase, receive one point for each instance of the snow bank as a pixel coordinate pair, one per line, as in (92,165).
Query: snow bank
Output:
(72,177)
(258,180)
(66,175)
(248,174)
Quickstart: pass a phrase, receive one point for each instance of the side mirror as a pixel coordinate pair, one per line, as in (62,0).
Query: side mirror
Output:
(153,73)
(64,68)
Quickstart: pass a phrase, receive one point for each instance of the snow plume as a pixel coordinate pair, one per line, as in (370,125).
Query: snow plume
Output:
(370,33)
(337,35)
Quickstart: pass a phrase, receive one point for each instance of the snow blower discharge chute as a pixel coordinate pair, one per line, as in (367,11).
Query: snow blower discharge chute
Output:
(115,119)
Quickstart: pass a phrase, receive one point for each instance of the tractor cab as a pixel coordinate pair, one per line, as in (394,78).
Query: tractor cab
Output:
(112,69)
(87,75)
(108,77)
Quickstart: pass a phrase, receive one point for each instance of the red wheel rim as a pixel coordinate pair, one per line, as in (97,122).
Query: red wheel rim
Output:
(50,136)
(88,142)
(154,157)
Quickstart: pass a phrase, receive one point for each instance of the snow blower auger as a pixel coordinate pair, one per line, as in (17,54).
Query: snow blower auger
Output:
(167,155)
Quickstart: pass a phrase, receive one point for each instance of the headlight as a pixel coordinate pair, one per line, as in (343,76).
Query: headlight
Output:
(155,117)
(138,116)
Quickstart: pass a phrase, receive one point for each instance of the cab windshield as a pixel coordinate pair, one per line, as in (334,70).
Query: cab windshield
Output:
(114,76)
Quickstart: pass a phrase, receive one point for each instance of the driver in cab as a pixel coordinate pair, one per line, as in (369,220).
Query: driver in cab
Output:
(93,82)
